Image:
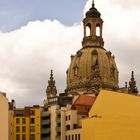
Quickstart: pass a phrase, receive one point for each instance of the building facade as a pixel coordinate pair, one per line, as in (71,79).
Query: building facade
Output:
(45,124)
(115,116)
(27,123)
(3,116)
(12,106)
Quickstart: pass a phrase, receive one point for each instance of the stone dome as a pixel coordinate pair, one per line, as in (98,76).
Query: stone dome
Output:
(92,68)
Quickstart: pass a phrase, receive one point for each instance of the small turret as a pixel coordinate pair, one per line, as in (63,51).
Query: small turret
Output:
(132,85)
(51,90)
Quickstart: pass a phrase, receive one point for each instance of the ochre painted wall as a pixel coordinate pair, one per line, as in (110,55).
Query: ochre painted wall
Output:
(114,116)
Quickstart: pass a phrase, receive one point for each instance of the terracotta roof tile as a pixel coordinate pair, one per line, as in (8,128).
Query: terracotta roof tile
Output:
(85,100)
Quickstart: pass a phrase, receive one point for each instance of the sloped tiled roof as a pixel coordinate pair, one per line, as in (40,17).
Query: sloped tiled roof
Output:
(85,100)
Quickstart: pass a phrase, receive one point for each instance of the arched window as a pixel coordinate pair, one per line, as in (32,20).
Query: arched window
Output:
(98,30)
(94,59)
(112,71)
(67,127)
(76,70)
(88,29)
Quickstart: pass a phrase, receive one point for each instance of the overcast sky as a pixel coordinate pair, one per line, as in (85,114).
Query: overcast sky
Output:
(38,36)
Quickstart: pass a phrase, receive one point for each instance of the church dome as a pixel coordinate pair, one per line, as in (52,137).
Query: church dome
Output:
(90,68)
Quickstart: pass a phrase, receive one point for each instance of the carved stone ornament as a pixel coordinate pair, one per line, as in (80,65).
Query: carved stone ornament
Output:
(95,81)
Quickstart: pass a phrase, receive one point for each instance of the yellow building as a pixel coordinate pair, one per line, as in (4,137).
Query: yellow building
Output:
(27,123)
(114,116)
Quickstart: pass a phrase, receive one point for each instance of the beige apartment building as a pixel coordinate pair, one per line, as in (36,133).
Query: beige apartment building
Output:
(3,116)
(12,106)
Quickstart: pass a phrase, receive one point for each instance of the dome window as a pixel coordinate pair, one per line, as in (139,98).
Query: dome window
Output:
(98,30)
(76,70)
(88,30)
(94,60)
(112,71)
(94,52)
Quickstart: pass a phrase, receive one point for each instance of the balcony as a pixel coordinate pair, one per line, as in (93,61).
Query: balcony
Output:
(58,137)
(58,129)
(45,130)
(58,120)
(45,114)
(45,138)
(58,112)
(45,122)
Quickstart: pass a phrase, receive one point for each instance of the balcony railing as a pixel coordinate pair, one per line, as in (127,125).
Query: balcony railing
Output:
(45,130)
(45,122)
(45,114)
(58,112)
(58,128)
(58,120)
(45,138)
(58,137)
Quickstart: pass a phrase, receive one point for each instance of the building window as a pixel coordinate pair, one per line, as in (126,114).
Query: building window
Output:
(69,137)
(17,129)
(88,29)
(23,129)
(72,137)
(17,137)
(32,136)
(32,112)
(19,112)
(59,124)
(112,71)
(69,117)
(32,120)
(66,118)
(78,136)
(67,127)
(66,137)
(32,129)
(59,133)
(74,126)
(17,120)
(59,115)
(75,136)
(76,70)
(23,137)
(98,30)
(23,120)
